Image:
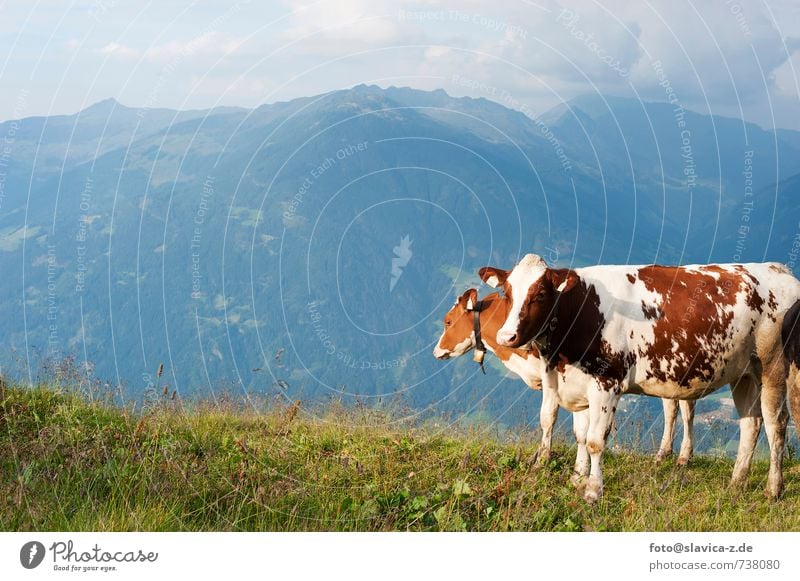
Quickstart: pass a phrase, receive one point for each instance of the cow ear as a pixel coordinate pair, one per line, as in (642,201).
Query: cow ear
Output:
(563,280)
(492,276)
(471,299)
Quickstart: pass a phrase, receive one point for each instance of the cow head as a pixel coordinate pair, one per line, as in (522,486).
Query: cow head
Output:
(532,289)
(458,337)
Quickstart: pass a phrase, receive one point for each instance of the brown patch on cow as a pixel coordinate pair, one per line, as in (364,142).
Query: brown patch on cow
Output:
(576,339)
(562,365)
(650,312)
(752,298)
(631,278)
(580,323)
(594,447)
(781,268)
(690,311)
(773,306)
(612,367)
(540,301)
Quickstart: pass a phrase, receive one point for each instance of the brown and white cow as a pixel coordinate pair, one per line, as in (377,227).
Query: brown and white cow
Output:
(675,332)
(461,335)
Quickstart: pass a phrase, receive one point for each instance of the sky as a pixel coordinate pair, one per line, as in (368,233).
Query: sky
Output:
(737,58)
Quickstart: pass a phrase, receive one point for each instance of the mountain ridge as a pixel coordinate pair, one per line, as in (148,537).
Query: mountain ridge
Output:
(202,242)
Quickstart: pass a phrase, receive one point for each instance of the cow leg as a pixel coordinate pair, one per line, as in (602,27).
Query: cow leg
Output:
(776,416)
(746,398)
(602,405)
(668,437)
(687,445)
(547,418)
(580,425)
(793,395)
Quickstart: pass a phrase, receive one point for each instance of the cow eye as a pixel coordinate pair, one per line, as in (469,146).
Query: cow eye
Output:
(447,322)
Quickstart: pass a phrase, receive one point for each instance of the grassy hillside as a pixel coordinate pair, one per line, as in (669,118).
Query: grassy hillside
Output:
(66,464)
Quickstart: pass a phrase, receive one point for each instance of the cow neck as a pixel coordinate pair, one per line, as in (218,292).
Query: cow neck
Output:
(542,339)
(576,335)
(492,316)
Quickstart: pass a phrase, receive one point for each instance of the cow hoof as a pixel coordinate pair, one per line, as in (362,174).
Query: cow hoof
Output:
(773,491)
(772,495)
(542,458)
(683,460)
(593,492)
(591,496)
(662,455)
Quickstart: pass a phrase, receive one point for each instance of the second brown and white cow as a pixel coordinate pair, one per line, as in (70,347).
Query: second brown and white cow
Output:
(665,331)
(472,324)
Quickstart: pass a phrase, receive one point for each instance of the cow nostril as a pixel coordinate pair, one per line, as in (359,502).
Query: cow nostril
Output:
(506,338)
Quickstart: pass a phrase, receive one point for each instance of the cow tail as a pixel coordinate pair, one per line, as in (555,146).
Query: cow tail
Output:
(790,342)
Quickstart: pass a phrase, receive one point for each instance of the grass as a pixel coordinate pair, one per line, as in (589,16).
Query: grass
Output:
(68,464)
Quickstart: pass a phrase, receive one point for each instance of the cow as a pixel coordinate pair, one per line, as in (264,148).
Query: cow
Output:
(790,338)
(678,332)
(472,324)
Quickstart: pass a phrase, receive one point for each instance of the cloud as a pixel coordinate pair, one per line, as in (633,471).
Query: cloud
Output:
(726,57)
(334,28)
(784,78)
(535,55)
(710,52)
(205,45)
(210,44)
(117,50)
(729,54)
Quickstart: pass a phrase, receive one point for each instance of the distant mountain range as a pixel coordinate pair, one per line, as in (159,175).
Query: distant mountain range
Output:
(311,247)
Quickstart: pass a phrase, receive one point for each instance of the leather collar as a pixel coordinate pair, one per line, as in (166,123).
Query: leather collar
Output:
(480,348)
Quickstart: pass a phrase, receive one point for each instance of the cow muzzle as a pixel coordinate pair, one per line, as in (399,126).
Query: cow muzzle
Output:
(440,353)
(507,338)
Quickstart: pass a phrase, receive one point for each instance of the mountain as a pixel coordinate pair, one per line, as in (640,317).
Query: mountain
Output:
(674,176)
(311,247)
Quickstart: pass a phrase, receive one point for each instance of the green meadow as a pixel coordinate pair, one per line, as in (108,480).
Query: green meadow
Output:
(69,463)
